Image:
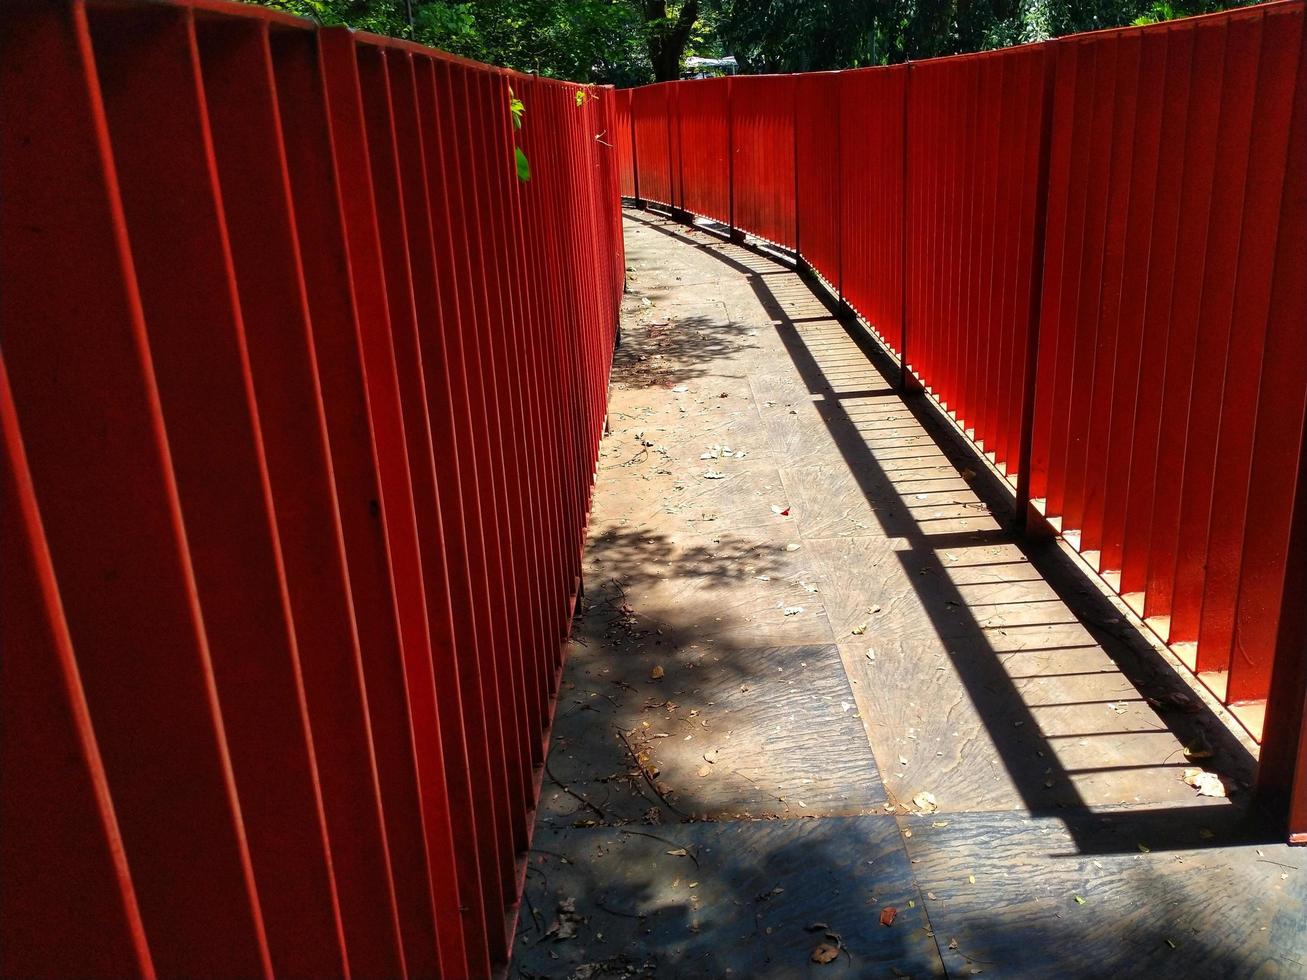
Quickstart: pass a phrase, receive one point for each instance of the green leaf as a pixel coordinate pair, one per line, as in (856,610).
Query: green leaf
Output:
(523,165)
(581,95)
(516,109)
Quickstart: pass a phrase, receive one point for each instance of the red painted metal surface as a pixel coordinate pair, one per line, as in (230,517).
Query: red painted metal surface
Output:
(762,156)
(301,388)
(818,135)
(1172,220)
(972,187)
(871,210)
(301,395)
(1090,253)
(655,121)
(702,118)
(621,135)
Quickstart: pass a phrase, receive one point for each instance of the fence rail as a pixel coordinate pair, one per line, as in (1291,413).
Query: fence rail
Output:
(301,390)
(1090,252)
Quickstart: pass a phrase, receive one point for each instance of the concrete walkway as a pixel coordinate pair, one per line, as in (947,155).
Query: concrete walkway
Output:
(822,705)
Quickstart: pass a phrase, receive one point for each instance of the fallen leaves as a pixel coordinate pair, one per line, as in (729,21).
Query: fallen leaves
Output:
(1176,701)
(888,914)
(1198,748)
(1207,783)
(657,673)
(825,953)
(566,922)
(717,451)
(925,802)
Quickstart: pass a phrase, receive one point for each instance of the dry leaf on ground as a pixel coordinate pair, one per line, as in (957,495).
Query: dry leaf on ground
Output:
(1207,783)
(925,802)
(825,953)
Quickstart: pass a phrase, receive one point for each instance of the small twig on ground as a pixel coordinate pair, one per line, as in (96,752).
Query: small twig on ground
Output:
(635,757)
(540,850)
(526,897)
(778,799)
(574,795)
(1291,867)
(682,847)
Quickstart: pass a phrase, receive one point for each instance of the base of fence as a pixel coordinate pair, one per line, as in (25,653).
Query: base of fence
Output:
(909,383)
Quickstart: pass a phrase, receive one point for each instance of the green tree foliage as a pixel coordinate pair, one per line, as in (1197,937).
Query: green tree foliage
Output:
(584,40)
(630,42)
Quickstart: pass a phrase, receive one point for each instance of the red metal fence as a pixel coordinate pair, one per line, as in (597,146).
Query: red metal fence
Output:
(301,389)
(1092,253)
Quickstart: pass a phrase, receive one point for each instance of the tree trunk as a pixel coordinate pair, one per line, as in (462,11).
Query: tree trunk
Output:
(667,37)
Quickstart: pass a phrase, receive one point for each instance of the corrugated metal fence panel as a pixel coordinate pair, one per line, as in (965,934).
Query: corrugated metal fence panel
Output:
(302,390)
(653,111)
(702,107)
(871,180)
(622,136)
(1171,220)
(974,136)
(817,135)
(762,144)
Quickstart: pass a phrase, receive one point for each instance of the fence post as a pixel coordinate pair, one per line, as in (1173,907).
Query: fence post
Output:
(736,235)
(1281,783)
(668,94)
(635,157)
(839,193)
(1281,787)
(678,193)
(794,140)
(1036,293)
(907,383)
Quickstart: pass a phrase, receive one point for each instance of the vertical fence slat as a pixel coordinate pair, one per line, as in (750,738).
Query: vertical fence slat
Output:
(304,488)
(93,928)
(156,108)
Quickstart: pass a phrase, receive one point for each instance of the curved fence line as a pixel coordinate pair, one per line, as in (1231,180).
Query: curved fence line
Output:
(1090,253)
(301,390)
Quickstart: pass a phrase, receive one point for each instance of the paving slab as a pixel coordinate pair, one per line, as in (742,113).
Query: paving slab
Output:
(1102,896)
(724,900)
(708,732)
